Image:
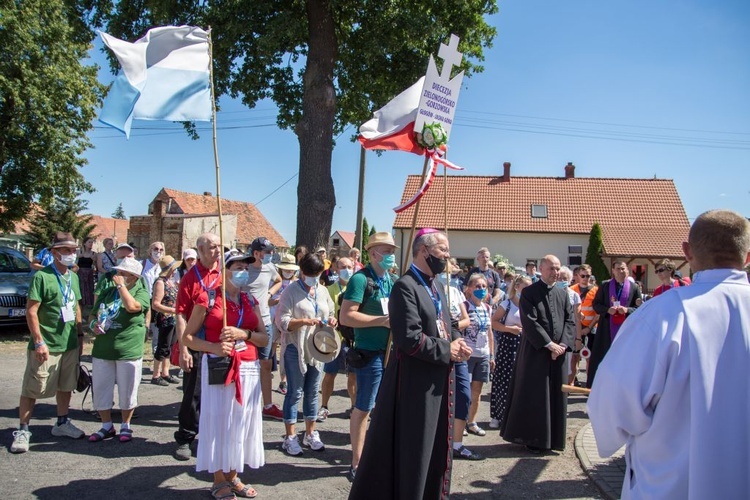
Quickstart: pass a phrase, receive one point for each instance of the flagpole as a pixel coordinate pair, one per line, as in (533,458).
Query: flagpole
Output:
(218,179)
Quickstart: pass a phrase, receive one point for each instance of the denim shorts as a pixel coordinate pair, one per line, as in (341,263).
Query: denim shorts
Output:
(463,391)
(265,352)
(479,369)
(368,382)
(338,364)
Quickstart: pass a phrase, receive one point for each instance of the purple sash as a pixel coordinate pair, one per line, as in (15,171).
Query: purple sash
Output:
(616,320)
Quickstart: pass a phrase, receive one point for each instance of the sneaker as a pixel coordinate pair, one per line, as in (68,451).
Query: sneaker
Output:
(170,379)
(313,441)
(67,430)
(183,453)
(282,388)
(323,414)
(180,373)
(21,441)
(274,412)
(291,446)
(494,423)
(159,381)
(463,453)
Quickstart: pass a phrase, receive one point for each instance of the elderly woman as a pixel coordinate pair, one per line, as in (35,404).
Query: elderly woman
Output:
(665,270)
(163,303)
(304,305)
(507,323)
(231,426)
(118,323)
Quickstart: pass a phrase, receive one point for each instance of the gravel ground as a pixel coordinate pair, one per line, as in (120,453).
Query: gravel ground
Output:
(63,468)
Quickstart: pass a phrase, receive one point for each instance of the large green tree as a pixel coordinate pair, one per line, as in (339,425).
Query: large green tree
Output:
(48,98)
(325,63)
(594,254)
(64,213)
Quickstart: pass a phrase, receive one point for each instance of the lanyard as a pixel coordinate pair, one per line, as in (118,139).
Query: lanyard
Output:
(116,302)
(66,291)
(380,281)
(433,295)
(314,298)
(203,285)
(483,318)
(242,306)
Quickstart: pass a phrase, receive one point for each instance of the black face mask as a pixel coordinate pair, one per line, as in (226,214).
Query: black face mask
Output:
(436,265)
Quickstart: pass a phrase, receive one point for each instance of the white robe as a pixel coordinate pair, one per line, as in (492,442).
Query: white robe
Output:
(675,389)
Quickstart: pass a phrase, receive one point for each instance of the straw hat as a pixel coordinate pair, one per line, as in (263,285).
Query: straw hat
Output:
(384,238)
(63,240)
(167,263)
(324,344)
(287,263)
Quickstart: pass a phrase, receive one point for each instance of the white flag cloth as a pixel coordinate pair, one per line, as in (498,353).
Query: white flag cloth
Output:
(165,76)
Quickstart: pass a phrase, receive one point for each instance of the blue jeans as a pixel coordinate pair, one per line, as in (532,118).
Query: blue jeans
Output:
(368,383)
(463,390)
(299,385)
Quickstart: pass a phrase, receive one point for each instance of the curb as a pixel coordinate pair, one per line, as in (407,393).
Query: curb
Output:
(606,473)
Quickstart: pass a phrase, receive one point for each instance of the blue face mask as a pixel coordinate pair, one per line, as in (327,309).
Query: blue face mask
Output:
(240,278)
(345,274)
(389,260)
(480,293)
(442,278)
(562,284)
(267,258)
(311,281)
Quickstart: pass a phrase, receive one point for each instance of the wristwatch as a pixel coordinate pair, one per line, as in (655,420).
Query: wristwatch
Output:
(119,285)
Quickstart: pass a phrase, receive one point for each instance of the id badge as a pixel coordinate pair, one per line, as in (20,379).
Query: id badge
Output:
(211,298)
(240,345)
(384,305)
(68,313)
(441,329)
(615,303)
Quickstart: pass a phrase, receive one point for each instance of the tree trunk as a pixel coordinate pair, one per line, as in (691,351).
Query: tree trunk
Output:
(315,195)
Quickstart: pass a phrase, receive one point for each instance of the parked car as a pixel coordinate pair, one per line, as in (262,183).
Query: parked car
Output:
(15,276)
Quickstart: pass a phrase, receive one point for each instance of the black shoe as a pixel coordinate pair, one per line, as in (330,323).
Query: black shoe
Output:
(183,452)
(159,381)
(171,379)
(352,473)
(464,453)
(536,450)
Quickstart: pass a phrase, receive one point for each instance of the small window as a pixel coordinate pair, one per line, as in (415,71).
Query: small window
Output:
(335,242)
(539,211)
(575,260)
(575,249)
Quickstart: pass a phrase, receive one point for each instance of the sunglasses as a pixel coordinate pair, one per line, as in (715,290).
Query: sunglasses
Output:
(584,276)
(661,270)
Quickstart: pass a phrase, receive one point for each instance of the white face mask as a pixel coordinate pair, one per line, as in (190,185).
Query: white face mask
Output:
(287,275)
(68,260)
(311,281)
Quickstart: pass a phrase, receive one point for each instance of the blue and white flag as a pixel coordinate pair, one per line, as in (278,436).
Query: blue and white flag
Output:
(165,76)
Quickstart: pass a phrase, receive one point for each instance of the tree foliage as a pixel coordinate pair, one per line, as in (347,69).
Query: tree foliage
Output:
(364,256)
(62,214)
(594,254)
(47,103)
(119,213)
(326,64)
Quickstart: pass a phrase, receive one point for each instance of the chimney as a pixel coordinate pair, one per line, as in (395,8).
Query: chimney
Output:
(570,170)
(207,193)
(506,172)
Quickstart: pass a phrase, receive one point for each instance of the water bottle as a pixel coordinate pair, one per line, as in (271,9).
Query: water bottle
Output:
(101,318)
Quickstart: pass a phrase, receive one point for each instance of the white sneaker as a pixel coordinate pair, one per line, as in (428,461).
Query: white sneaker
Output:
(494,423)
(322,414)
(20,441)
(67,430)
(291,445)
(313,441)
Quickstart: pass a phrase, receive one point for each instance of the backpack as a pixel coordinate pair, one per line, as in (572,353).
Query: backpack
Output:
(347,332)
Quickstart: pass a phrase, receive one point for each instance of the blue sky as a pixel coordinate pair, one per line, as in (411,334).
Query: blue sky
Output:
(620,88)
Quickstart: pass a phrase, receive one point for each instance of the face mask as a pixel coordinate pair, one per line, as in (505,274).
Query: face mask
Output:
(436,265)
(311,281)
(156,255)
(267,258)
(68,260)
(287,275)
(345,274)
(442,278)
(389,260)
(562,284)
(240,278)
(480,293)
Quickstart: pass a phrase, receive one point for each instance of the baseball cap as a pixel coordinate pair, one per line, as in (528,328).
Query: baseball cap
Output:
(235,255)
(261,244)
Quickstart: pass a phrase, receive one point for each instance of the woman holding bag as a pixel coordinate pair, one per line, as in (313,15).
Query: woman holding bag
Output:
(231,427)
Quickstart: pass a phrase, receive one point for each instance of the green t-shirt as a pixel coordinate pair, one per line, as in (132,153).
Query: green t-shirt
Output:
(124,338)
(48,291)
(374,338)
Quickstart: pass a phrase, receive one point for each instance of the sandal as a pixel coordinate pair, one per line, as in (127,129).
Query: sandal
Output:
(473,428)
(126,435)
(102,434)
(223,486)
(243,492)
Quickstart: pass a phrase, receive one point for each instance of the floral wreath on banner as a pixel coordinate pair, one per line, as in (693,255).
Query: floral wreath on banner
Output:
(434,141)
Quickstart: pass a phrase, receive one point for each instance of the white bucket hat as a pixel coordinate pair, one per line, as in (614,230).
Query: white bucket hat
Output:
(129,265)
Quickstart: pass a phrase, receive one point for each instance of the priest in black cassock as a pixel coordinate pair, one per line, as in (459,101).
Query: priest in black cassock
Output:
(408,448)
(537,407)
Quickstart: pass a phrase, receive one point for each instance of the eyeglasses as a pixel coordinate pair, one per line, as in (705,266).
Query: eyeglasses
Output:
(661,270)
(584,276)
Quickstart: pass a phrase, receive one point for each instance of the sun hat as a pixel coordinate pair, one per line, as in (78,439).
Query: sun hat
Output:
(129,265)
(287,263)
(124,245)
(384,238)
(321,249)
(63,240)
(167,263)
(324,344)
(234,255)
(189,253)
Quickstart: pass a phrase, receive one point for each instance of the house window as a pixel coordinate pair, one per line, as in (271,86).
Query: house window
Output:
(574,260)
(539,211)
(335,242)
(575,249)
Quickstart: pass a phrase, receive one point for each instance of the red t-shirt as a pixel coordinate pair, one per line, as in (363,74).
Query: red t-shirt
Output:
(214,322)
(663,288)
(192,293)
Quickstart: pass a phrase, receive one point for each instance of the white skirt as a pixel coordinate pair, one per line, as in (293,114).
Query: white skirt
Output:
(231,435)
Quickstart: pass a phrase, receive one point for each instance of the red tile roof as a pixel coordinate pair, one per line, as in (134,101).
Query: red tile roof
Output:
(250,222)
(348,237)
(639,217)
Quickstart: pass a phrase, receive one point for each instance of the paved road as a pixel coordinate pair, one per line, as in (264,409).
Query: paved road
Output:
(62,468)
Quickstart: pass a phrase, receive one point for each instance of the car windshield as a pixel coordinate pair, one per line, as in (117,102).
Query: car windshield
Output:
(12,261)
